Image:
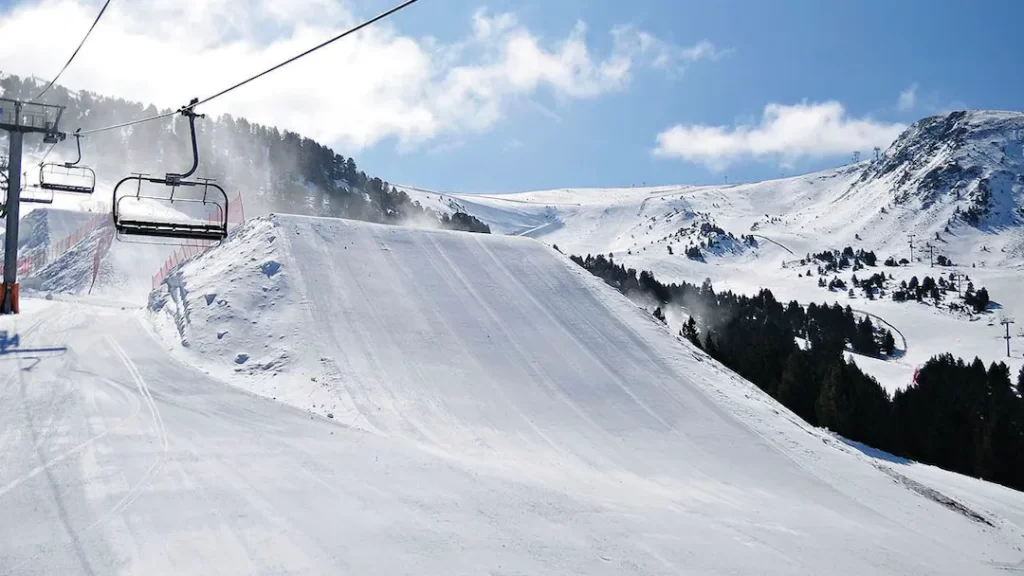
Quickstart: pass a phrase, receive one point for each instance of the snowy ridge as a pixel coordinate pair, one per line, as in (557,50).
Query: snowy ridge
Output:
(926,182)
(499,355)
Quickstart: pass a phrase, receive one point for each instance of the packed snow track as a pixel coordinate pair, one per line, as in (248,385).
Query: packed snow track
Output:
(498,411)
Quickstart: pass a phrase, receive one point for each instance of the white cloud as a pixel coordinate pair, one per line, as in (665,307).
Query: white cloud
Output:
(785,133)
(663,55)
(908,98)
(374,85)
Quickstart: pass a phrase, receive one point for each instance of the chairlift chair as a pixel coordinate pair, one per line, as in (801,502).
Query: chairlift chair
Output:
(30,193)
(131,217)
(34,194)
(192,209)
(68,176)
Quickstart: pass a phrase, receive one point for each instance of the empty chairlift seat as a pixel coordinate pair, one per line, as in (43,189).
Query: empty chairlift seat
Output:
(172,206)
(36,195)
(67,178)
(162,208)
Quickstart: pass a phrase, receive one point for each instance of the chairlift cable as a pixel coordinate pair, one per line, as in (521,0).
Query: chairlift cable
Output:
(48,150)
(348,32)
(75,53)
(192,105)
(131,123)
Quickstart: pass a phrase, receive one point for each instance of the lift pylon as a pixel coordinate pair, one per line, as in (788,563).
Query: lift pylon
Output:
(20,118)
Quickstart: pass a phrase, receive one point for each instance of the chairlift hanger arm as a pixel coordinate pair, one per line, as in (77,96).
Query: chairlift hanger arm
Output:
(78,143)
(190,113)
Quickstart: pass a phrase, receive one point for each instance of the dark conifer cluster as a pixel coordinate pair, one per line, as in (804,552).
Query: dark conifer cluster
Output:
(962,417)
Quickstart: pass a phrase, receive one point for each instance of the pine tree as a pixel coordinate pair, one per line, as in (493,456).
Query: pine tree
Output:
(832,408)
(888,343)
(689,331)
(709,346)
(978,300)
(798,389)
(660,315)
(1000,442)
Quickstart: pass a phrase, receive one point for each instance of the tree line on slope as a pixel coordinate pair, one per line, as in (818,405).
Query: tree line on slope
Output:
(278,171)
(959,416)
(933,288)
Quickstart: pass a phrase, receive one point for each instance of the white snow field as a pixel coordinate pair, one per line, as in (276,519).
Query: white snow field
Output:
(941,166)
(495,410)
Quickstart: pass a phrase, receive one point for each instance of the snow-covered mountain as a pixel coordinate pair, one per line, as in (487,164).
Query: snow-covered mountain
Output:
(954,181)
(959,175)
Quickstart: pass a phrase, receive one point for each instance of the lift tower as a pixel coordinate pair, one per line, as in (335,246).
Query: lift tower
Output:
(20,118)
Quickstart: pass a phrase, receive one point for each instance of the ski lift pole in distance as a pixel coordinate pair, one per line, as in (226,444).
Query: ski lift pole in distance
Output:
(172,206)
(68,176)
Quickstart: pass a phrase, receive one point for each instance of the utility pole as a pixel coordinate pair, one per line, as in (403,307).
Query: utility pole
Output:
(1006,322)
(931,254)
(20,118)
(911,247)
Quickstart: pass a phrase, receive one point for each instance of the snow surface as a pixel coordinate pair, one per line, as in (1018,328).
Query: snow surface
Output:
(495,409)
(535,420)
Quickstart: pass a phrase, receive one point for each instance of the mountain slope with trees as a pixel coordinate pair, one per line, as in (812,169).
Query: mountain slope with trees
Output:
(959,416)
(275,171)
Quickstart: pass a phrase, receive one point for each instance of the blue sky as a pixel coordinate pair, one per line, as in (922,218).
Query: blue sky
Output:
(862,54)
(463,95)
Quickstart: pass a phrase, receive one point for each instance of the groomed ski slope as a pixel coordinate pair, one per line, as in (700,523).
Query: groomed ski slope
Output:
(496,410)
